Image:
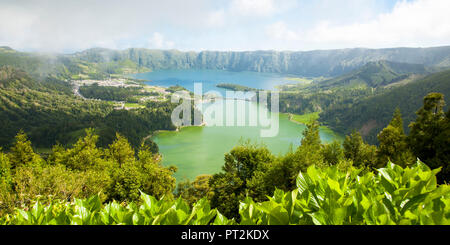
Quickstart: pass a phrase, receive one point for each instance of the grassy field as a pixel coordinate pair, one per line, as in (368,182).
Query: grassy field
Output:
(134,105)
(307,118)
(300,79)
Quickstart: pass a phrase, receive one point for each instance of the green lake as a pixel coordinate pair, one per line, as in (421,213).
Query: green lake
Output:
(201,150)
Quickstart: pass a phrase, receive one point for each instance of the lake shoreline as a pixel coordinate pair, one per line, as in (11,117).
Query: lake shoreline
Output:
(325,128)
(178,129)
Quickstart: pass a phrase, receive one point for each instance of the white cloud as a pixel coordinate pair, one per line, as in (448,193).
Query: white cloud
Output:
(418,23)
(253,7)
(68,26)
(216,18)
(260,8)
(279,30)
(157,41)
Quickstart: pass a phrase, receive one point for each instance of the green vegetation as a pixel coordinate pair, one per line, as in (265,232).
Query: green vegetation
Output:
(49,113)
(102,160)
(133,105)
(236,87)
(116,172)
(309,100)
(429,138)
(305,118)
(331,196)
(130,94)
(300,79)
(393,143)
(313,184)
(314,116)
(328,196)
(375,74)
(368,114)
(176,88)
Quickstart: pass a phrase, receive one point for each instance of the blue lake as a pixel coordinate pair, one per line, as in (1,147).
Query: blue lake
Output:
(210,78)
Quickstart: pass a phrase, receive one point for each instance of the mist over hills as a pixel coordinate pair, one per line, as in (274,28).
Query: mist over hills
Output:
(326,63)
(305,63)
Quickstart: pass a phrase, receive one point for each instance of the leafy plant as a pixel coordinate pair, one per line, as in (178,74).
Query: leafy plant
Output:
(408,196)
(328,196)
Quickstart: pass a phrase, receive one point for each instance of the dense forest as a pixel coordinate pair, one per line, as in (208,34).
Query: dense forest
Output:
(365,99)
(370,114)
(49,112)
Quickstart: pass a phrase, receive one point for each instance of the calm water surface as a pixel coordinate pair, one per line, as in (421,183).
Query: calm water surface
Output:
(201,150)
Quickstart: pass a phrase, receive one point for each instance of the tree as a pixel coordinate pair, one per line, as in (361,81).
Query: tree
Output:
(309,152)
(311,137)
(283,172)
(242,174)
(153,147)
(360,153)
(83,155)
(332,153)
(5,167)
(157,179)
(427,126)
(196,190)
(22,152)
(126,182)
(6,193)
(393,145)
(428,138)
(228,189)
(120,151)
(131,175)
(443,149)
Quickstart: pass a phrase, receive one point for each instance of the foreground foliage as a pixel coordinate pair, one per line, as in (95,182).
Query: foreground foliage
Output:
(395,195)
(328,196)
(116,173)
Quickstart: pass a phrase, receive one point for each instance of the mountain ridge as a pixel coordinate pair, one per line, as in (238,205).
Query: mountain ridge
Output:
(375,74)
(316,63)
(306,63)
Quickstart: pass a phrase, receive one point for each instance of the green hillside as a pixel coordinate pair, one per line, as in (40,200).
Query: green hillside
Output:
(98,63)
(49,113)
(369,115)
(374,74)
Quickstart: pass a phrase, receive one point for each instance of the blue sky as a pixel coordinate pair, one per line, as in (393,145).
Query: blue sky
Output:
(70,26)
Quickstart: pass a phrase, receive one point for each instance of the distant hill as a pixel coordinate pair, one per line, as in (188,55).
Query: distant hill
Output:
(327,63)
(370,115)
(6,49)
(374,74)
(11,77)
(101,62)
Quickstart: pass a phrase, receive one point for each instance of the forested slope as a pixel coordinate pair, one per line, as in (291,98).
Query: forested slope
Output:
(369,115)
(374,74)
(49,112)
